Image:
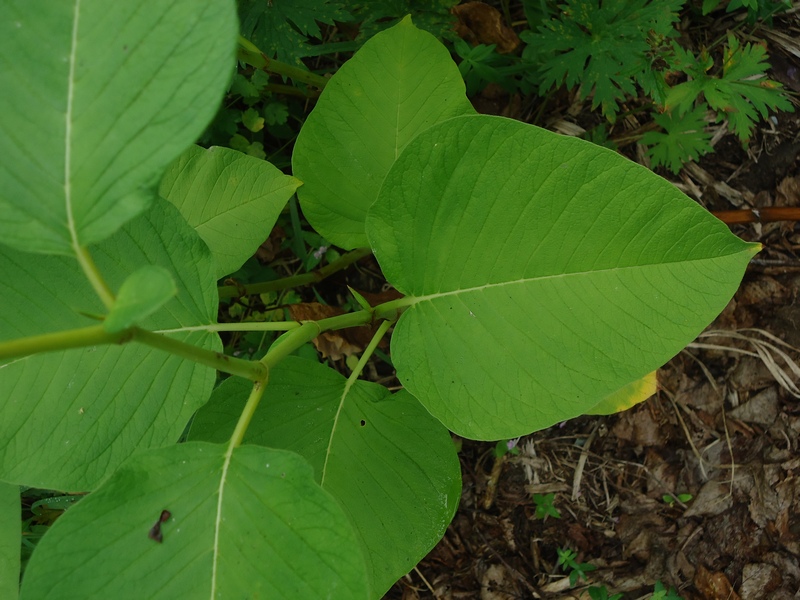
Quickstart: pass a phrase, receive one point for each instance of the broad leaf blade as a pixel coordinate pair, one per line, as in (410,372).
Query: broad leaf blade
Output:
(543,273)
(98,99)
(398,84)
(70,418)
(10,534)
(254,524)
(391,466)
(140,295)
(231,199)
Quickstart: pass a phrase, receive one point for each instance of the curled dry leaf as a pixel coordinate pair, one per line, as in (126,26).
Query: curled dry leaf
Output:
(788,192)
(763,290)
(714,586)
(479,23)
(268,251)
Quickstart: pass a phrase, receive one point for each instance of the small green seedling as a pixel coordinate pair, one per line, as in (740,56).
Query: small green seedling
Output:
(601,593)
(577,571)
(671,500)
(662,593)
(504,447)
(544,506)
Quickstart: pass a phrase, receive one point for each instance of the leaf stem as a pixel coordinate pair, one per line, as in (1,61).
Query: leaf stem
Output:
(231,291)
(93,275)
(297,335)
(249,326)
(61,340)
(391,310)
(291,341)
(248,369)
(283,346)
(250,53)
(368,351)
(247,414)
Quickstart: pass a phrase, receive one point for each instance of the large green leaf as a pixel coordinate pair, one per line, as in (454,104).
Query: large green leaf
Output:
(252,524)
(398,84)
(10,534)
(542,272)
(70,418)
(391,466)
(98,98)
(231,199)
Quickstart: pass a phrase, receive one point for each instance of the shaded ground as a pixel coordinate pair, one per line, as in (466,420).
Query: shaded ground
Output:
(724,428)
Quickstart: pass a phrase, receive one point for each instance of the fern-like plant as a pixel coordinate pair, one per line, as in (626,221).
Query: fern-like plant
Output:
(616,51)
(603,47)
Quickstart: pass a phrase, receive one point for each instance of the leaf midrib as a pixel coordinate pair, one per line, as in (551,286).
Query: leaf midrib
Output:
(416,299)
(218,518)
(348,384)
(73,51)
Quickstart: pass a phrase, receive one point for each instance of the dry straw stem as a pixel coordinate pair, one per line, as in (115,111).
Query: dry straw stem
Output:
(767,351)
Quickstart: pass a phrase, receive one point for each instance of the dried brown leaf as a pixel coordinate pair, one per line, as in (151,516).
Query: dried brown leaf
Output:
(714,586)
(479,23)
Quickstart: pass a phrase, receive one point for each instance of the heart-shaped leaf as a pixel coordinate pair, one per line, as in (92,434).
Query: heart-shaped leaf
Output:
(542,273)
(399,83)
(230,198)
(251,523)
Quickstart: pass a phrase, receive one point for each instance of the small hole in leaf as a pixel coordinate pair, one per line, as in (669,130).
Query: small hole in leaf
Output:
(363,422)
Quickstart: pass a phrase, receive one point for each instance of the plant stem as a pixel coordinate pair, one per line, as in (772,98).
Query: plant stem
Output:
(391,310)
(247,414)
(95,278)
(257,371)
(249,53)
(252,370)
(368,351)
(282,348)
(266,326)
(297,243)
(62,340)
(97,335)
(758,215)
(291,341)
(232,291)
(290,90)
